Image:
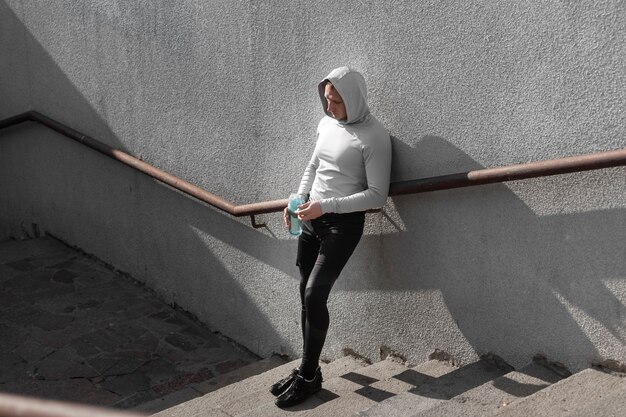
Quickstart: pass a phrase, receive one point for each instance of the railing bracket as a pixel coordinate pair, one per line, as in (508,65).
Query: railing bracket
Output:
(255,224)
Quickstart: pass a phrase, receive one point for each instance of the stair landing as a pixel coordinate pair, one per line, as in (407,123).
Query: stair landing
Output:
(72,329)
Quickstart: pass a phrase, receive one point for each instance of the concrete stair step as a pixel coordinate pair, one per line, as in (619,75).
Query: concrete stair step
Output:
(211,399)
(262,403)
(335,389)
(357,390)
(565,396)
(195,390)
(421,374)
(167,401)
(613,404)
(488,398)
(390,389)
(250,393)
(435,391)
(237,375)
(358,394)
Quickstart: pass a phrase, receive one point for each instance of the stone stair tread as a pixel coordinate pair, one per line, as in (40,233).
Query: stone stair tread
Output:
(262,403)
(401,405)
(564,396)
(357,390)
(269,409)
(167,401)
(342,366)
(237,375)
(489,397)
(195,390)
(252,392)
(333,384)
(613,404)
(364,376)
(362,398)
(210,400)
(433,392)
(420,374)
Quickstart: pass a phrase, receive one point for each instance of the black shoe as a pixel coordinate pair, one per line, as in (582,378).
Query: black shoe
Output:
(282,385)
(300,390)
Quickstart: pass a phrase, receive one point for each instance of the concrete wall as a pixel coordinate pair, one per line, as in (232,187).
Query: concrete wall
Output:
(222,94)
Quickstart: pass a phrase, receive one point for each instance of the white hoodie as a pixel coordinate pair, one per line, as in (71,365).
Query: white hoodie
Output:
(351,164)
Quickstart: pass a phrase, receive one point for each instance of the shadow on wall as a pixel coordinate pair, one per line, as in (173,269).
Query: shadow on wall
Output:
(514,281)
(37,83)
(141,226)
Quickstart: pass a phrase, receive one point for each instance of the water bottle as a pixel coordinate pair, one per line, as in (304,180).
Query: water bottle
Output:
(294,201)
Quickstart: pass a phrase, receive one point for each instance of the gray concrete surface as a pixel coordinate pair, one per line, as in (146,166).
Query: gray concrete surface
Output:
(492,396)
(432,389)
(253,392)
(444,387)
(330,372)
(394,406)
(191,390)
(355,391)
(223,95)
(71,329)
(566,396)
(610,405)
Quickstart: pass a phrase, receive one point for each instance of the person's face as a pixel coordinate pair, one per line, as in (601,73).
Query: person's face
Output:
(335,106)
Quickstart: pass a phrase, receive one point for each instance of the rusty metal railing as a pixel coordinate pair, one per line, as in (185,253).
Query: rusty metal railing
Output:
(544,168)
(169,179)
(463,179)
(19,406)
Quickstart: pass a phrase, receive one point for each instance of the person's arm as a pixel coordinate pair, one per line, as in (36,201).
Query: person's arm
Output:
(309,175)
(305,186)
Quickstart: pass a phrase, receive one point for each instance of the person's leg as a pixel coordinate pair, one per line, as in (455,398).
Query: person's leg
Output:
(308,248)
(338,239)
(338,236)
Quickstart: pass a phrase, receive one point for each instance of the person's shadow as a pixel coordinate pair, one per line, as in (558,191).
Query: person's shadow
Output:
(514,282)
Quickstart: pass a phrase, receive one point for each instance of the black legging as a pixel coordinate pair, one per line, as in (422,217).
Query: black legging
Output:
(324,247)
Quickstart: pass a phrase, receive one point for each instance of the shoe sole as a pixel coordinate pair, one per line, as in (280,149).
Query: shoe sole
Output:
(315,391)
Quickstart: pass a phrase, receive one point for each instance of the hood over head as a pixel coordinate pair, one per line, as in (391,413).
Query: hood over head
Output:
(351,87)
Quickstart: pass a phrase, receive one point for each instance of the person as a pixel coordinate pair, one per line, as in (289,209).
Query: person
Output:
(347,175)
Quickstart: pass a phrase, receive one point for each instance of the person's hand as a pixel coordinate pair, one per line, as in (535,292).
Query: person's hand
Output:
(309,210)
(286,219)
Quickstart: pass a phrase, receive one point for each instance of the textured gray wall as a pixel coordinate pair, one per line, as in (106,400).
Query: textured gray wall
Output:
(222,94)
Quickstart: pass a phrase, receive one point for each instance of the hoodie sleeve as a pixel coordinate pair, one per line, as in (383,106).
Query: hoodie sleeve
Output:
(309,175)
(306,184)
(377,159)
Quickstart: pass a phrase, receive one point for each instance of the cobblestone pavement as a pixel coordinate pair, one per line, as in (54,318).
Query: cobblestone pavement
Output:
(71,329)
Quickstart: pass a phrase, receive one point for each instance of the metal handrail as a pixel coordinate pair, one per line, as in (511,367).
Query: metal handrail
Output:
(544,168)
(139,165)
(18,406)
